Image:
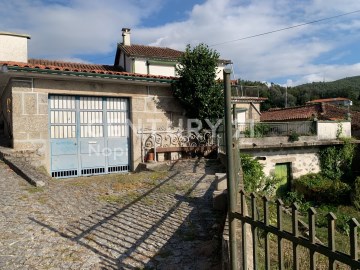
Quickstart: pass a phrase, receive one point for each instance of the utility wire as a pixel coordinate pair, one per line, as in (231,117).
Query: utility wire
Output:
(286,28)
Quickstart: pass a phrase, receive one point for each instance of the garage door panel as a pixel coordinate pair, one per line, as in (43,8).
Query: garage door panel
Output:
(64,162)
(93,161)
(118,158)
(89,135)
(64,147)
(92,146)
(119,144)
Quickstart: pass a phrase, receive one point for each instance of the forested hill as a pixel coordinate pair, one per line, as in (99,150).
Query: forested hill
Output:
(299,95)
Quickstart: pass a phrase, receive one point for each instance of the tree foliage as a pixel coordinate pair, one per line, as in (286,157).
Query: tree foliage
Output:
(197,88)
(299,95)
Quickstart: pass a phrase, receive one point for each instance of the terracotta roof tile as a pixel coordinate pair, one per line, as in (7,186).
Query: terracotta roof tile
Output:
(327,100)
(79,67)
(151,51)
(322,111)
(156,52)
(294,113)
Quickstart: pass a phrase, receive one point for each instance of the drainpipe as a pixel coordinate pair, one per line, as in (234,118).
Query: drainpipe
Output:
(234,262)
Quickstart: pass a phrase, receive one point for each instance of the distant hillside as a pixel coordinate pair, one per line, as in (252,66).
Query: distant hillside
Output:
(299,95)
(347,87)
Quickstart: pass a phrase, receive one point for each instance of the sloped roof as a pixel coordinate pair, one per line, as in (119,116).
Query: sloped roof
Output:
(79,68)
(155,52)
(72,66)
(151,51)
(328,100)
(322,111)
(305,112)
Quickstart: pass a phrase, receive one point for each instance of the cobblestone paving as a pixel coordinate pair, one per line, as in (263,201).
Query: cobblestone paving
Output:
(152,221)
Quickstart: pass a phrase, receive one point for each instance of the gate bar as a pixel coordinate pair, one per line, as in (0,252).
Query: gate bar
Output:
(234,262)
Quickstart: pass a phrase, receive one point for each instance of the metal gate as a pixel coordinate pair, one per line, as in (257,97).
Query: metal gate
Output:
(88,135)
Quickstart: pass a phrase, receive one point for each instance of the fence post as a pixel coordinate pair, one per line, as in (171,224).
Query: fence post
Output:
(331,237)
(312,233)
(295,227)
(243,229)
(267,242)
(354,224)
(279,207)
(254,229)
(234,262)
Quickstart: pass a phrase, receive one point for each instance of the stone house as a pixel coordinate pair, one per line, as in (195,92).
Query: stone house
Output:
(79,119)
(152,60)
(287,141)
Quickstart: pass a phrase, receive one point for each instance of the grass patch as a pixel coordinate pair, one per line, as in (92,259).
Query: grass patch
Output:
(111,198)
(33,189)
(118,182)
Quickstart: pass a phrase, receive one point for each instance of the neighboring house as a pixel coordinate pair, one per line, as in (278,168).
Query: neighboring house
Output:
(73,118)
(333,101)
(152,60)
(273,138)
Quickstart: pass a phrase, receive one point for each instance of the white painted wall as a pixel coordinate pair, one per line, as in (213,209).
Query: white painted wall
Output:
(13,47)
(303,160)
(140,66)
(162,70)
(327,130)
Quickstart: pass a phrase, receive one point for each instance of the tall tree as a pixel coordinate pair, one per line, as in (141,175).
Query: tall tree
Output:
(197,88)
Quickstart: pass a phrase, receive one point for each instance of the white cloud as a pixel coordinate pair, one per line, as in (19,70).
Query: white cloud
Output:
(291,53)
(94,27)
(66,28)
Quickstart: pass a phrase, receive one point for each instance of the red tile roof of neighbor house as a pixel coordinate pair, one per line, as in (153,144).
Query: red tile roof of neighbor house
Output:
(42,64)
(322,111)
(156,52)
(305,112)
(151,51)
(327,100)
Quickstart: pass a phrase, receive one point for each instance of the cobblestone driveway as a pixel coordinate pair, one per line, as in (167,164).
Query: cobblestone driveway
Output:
(140,221)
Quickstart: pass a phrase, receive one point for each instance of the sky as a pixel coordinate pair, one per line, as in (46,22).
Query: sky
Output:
(89,30)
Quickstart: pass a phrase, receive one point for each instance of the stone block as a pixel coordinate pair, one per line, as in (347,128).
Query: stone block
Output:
(138,104)
(30,123)
(17,104)
(21,86)
(30,103)
(34,135)
(220,200)
(160,156)
(42,98)
(21,136)
(43,109)
(221,181)
(175,155)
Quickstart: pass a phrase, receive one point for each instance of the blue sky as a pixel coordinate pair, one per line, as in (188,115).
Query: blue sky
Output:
(88,31)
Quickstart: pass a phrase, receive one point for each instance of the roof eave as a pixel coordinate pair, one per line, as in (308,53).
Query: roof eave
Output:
(15,69)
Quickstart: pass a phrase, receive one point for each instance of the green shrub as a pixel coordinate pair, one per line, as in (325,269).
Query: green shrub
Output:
(295,197)
(252,171)
(294,136)
(260,130)
(318,188)
(355,194)
(335,161)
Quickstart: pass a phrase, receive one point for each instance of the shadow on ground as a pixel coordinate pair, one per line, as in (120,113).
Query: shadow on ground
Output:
(170,226)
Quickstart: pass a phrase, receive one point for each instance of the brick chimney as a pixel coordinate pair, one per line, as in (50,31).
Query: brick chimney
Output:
(126,36)
(13,47)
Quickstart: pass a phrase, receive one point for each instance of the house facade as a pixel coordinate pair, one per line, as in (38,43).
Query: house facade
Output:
(152,60)
(79,119)
(287,141)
